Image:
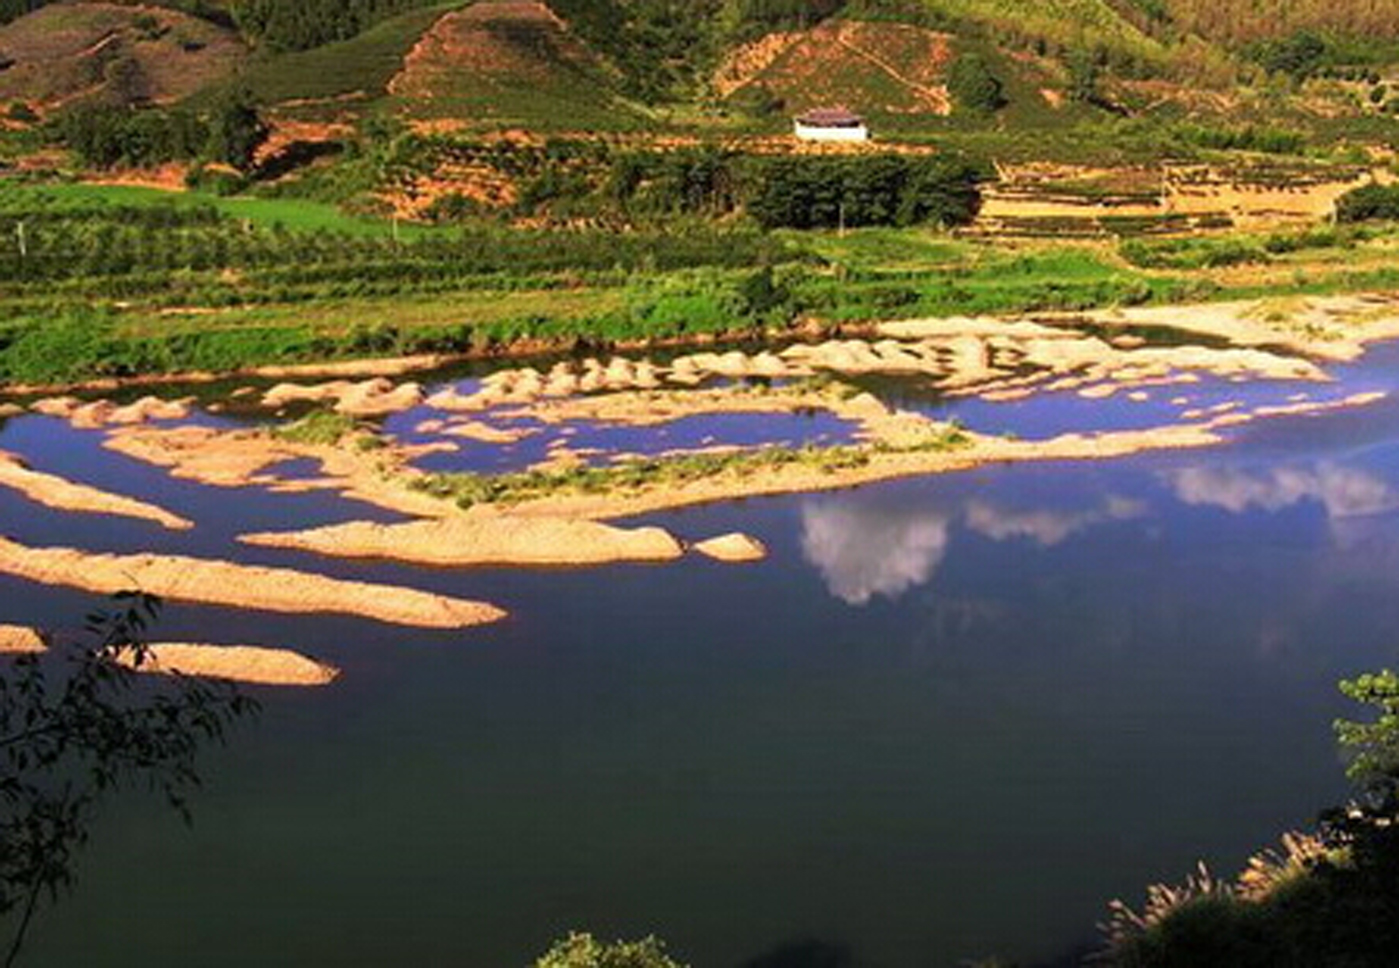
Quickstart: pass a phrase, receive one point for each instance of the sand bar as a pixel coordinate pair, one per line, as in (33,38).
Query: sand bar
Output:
(483,536)
(209,582)
(241,458)
(18,640)
(236,663)
(734,548)
(96,414)
(369,398)
(63,495)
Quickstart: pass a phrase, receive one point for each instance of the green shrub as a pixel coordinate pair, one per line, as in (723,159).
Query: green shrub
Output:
(973,87)
(1369,202)
(320,427)
(585,951)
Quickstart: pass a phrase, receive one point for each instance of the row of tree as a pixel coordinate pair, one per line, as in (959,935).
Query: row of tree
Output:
(572,181)
(859,191)
(105,136)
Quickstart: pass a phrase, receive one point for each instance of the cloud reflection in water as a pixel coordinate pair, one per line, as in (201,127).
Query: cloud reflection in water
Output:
(864,547)
(1344,492)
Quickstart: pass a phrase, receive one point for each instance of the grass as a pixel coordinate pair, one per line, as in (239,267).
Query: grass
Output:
(318,428)
(294,214)
(468,489)
(886,249)
(1210,252)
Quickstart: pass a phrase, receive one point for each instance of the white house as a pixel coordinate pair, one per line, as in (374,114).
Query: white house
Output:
(831,124)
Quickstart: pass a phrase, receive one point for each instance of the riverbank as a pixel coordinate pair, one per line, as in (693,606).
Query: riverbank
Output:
(507,295)
(1333,327)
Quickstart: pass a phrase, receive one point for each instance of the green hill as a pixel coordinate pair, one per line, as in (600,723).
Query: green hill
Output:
(509,62)
(1071,77)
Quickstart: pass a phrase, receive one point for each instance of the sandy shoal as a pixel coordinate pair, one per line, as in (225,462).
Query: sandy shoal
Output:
(202,454)
(241,458)
(372,367)
(883,466)
(237,663)
(1336,328)
(209,582)
(18,640)
(734,548)
(483,536)
(63,495)
(377,367)
(800,478)
(369,398)
(95,414)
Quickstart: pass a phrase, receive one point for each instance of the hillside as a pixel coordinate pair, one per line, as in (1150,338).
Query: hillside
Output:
(880,68)
(129,53)
(1061,23)
(354,120)
(508,62)
(1233,22)
(359,68)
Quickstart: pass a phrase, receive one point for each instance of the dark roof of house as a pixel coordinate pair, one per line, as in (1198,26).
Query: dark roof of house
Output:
(831,118)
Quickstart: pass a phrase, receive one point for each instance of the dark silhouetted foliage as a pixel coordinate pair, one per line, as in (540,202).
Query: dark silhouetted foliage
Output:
(74,728)
(1369,203)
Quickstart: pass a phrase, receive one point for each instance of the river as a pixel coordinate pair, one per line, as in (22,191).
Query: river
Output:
(947,718)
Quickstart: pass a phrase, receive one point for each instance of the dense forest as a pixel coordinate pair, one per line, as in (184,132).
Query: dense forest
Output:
(1236,22)
(280,25)
(11,9)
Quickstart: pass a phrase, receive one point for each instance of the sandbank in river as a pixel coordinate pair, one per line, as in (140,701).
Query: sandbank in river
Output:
(63,495)
(210,582)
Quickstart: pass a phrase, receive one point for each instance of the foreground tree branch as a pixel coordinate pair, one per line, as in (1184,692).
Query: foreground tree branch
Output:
(76,726)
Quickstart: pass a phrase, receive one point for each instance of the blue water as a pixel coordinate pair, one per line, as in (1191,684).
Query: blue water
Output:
(947,717)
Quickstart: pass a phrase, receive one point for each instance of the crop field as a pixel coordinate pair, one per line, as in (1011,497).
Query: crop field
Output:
(111,281)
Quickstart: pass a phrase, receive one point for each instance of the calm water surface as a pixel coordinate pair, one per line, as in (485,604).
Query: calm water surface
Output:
(947,717)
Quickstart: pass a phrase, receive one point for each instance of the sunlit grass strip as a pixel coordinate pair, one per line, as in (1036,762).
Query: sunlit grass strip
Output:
(634,474)
(318,428)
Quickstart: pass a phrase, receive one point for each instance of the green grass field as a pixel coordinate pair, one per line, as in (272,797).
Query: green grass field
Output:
(294,214)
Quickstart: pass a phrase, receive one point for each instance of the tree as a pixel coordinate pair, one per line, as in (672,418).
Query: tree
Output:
(1375,744)
(236,130)
(1298,56)
(1369,827)
(973,87)
(1085,73)
(125,81)
(75,727)
(585,951)
(1368,202)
